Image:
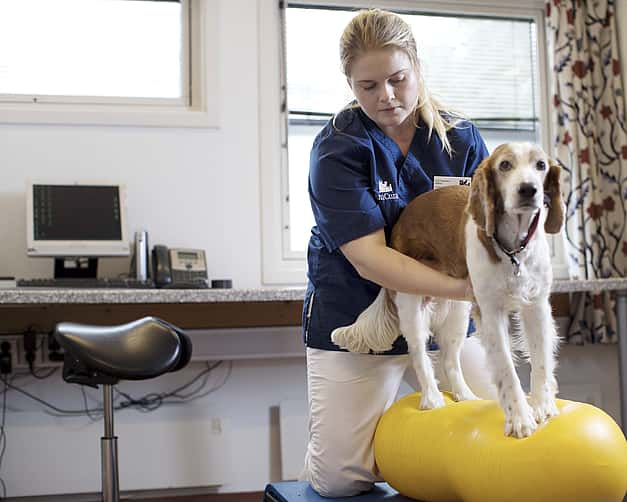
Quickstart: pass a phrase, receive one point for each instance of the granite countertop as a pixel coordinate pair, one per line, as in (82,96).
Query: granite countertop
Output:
(94,296)
(575,285)
(12,296)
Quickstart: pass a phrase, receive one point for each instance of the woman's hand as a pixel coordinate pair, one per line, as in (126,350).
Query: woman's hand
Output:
(469,294)
(465,292)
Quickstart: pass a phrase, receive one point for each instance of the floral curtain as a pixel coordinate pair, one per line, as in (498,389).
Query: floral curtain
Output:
(590,140)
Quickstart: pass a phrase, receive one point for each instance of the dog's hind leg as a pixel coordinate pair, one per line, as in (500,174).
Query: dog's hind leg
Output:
(542,340)
(375,329)
(414,321)
(451,334)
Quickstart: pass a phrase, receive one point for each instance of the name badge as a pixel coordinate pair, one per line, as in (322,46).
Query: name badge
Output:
(445,181)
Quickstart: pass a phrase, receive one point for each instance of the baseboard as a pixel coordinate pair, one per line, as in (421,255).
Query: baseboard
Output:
(178,495)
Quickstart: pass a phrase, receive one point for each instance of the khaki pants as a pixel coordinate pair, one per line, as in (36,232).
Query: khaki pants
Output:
(347,395)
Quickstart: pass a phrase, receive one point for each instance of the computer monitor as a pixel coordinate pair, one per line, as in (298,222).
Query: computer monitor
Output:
(65,221)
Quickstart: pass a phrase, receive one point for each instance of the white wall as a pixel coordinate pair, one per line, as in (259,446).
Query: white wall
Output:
(234,441)
(200,188)
(187,187)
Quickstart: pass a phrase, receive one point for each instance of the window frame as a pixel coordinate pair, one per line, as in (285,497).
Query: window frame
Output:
(201,27)
(279,265)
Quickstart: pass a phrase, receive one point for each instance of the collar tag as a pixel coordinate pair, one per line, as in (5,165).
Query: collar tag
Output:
(515,264)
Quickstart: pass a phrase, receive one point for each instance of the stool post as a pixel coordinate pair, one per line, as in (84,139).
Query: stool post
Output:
(108,410)
(621,316)
(109,451)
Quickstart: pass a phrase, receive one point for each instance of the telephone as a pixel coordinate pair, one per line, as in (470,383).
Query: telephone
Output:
(179,268)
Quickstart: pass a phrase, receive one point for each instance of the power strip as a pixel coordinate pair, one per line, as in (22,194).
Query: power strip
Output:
(42,352)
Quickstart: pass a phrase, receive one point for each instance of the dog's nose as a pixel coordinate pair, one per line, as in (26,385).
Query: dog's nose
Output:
(527,190)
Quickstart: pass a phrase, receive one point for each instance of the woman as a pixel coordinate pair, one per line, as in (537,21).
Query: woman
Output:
(367,164)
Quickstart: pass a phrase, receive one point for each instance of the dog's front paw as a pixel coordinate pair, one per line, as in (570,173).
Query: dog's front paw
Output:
(544,408)
(432,400)
(520,422)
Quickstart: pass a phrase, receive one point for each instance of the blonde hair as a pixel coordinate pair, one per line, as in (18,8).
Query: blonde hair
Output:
(374,29)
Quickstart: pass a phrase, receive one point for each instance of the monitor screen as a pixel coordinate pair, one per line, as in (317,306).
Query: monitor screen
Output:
(76,220)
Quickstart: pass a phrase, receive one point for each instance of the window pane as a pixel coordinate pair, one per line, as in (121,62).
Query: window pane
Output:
(91,48)
(496,137)
(482,67)
(314,79)
(301,218)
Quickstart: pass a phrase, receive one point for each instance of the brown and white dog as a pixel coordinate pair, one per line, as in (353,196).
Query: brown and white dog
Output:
(494,232)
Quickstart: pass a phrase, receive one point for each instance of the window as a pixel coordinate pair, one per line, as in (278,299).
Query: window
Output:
(100,56)
(483,64)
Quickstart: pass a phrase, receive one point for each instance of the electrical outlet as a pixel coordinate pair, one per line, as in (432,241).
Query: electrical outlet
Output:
(216,425)
(21,361)
(53,353)
(18,352)
(12,340)
(6,362)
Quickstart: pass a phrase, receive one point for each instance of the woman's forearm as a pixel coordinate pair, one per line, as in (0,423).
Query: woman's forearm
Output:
(385,266)
(398,272)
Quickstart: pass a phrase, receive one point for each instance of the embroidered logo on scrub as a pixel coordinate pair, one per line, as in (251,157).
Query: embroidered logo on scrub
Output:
(386,191)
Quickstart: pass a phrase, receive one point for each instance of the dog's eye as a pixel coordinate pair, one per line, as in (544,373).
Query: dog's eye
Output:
(505,165)
(540,165)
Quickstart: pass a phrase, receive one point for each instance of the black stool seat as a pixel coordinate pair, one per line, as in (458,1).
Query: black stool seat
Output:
(139,350)
(95,355)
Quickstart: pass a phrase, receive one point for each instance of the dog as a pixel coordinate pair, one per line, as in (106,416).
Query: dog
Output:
(495,232)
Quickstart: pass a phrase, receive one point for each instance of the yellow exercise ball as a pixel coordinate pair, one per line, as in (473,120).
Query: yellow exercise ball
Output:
(459,453)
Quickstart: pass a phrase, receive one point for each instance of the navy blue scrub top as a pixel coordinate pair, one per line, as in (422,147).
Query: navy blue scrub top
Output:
(359,182)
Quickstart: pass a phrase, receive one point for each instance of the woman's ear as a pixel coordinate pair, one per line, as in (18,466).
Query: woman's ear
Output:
(482,201)
(553,192)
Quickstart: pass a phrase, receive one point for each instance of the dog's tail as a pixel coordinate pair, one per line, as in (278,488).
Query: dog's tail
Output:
(375,329)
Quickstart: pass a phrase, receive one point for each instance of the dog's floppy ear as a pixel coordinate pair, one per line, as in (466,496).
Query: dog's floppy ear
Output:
(553,194)
(482,201)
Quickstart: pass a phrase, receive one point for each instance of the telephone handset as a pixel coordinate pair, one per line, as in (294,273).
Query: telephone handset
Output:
(179,268)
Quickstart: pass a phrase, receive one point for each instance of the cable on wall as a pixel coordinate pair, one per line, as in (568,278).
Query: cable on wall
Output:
(148,402)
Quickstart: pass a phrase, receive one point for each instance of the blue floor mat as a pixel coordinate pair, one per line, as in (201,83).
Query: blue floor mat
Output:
(300,491)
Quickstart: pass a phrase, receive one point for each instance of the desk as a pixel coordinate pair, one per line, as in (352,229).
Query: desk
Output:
(223,308)
(189,309)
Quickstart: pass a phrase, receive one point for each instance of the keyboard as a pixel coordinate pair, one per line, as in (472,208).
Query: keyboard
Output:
(81,283)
